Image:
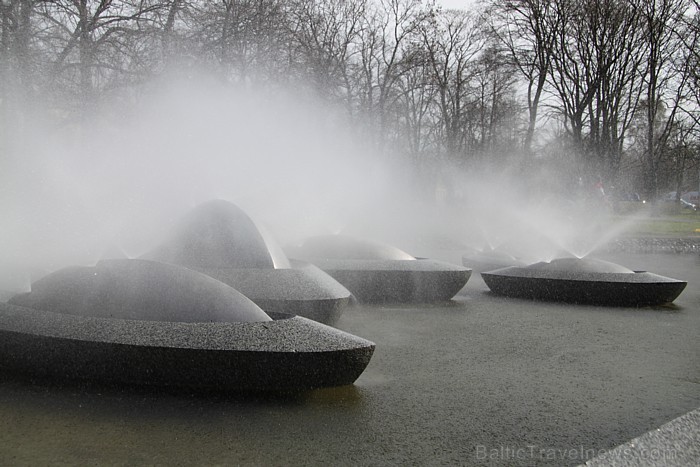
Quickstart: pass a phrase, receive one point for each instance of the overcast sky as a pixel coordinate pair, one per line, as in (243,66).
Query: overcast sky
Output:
(461,4)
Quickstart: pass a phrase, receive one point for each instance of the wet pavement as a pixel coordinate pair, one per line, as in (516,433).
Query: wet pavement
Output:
(479,380)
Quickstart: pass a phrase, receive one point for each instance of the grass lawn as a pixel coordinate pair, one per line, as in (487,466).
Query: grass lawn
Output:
(667,221)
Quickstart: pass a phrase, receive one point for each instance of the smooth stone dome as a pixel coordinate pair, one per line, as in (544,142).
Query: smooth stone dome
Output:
(303,290)
(218,234)
(489,259)
(220,240)
(347,247)
(140,290)
(581,265)
(379,273)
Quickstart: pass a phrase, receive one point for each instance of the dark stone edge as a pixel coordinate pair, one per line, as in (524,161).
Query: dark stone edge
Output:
(288,354)
(402,286)
(639,277)
(601,293)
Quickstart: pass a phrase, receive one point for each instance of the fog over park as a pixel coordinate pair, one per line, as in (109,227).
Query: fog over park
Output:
(404,120)
(515,280)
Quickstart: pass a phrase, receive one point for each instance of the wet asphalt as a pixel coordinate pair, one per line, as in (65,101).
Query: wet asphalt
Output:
(481,380)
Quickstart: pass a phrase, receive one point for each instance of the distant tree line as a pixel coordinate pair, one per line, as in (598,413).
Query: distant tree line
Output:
(605,88)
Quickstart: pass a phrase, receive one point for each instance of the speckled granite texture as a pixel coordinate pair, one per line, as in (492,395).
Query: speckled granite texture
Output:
(139,289)
(447,385)
(675,444)
(397,281)
(220,240)
(302,290)
(379,273)
(607,289)
(286,354)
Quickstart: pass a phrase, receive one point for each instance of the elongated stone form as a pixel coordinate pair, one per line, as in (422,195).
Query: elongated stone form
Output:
(378,273)
(588,281)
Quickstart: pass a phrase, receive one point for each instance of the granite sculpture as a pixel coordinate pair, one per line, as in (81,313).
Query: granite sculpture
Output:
(219,239)
(378,273)
(586,281)
(139,322)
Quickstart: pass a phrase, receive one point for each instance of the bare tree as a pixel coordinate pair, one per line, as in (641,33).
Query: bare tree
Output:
(618,74)
(17,67)
(662,21)
(495,108)
(386,29)
(596,74)
(244,38)
(15,36)
(452,41)
(619,52)
(692,48)
(573,74)
(170,12)
(92,43)
(325,33)
(527,29)
(419,139)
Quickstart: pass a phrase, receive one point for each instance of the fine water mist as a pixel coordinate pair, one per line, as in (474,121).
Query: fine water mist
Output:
(122,178)
(118,181)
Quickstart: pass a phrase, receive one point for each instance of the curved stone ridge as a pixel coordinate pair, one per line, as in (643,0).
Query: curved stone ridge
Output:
(419,281)
(346,247)
(377,273)
(140,290)
(288,353)
(488,260)
(302,290)
(584,281)
(581,265)
(219,240)
(218,234)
